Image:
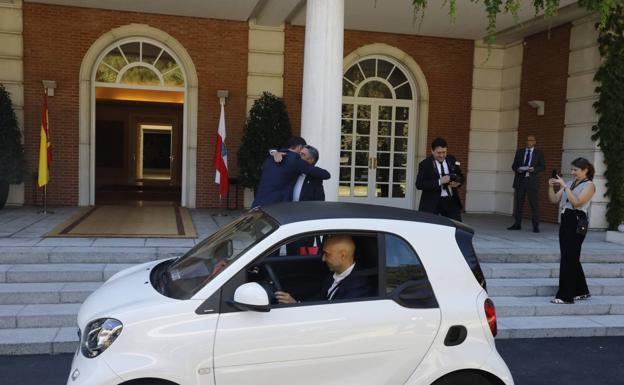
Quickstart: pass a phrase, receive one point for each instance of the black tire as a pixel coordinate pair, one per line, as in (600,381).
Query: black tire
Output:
(464,378)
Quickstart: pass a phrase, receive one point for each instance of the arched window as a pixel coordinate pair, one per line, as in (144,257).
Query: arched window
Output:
(139,63)
(376,161)
(376,78)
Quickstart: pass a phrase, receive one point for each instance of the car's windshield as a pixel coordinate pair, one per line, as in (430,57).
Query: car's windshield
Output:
(186,276)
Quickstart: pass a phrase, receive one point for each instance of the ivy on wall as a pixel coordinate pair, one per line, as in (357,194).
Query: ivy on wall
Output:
(609,131)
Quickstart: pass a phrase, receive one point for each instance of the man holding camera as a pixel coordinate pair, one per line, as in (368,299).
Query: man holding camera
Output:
(439,177)
(527,165)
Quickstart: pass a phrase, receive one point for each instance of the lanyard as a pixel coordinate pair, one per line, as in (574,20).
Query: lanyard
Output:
(575,185)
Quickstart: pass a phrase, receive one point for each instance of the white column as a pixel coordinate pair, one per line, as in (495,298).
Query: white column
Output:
(12,73)
(493,127)
(580,116)
(322,85)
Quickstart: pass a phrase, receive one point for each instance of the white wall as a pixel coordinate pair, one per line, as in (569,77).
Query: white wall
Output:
(493,127)
(265,69)
(265,63)
(580,115)
(11,70)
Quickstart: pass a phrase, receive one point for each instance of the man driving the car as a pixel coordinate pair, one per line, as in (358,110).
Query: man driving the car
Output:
(344,282)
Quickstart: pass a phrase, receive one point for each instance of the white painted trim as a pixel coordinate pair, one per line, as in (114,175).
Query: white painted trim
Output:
(98,49)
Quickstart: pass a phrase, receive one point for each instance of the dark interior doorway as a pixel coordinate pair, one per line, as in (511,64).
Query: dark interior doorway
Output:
(138,152)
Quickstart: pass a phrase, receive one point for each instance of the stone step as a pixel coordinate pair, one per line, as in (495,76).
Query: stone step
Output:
(39,315)
(541,306)
(549,257)
(59,272)
(549,270)
(560,326)
(45,293)
(65,254)
(531,287)
(38,340)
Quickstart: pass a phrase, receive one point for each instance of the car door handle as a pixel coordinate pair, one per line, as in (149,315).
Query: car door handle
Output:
(456,335)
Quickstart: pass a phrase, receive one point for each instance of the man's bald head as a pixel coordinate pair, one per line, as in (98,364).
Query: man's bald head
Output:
(339,252)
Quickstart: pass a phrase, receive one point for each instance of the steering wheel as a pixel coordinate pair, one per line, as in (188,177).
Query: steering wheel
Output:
(275,282)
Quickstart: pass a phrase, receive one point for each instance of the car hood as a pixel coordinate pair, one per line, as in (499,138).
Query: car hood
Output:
(130,289)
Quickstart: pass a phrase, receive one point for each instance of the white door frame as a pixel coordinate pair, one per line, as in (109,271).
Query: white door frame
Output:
(87,108)
(419,109)
(406,202)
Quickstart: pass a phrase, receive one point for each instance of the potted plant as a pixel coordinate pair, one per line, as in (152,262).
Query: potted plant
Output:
(267,127)
(11,149)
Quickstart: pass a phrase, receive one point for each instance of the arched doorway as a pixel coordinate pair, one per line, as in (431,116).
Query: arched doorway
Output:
(378,133)
(148,77)
(139,92)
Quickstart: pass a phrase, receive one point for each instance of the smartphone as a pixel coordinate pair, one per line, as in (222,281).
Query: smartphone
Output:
(554,174)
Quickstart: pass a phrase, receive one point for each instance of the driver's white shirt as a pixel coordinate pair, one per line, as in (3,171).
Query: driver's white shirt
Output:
(337,279)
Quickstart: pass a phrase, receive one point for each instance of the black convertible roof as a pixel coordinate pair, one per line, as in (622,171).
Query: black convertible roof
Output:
(290,212)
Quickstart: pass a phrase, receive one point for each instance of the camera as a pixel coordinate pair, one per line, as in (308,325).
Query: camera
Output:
(459,178)
(456,175)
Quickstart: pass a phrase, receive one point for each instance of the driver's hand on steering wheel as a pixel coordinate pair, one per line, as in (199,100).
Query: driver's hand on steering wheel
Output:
(283,297)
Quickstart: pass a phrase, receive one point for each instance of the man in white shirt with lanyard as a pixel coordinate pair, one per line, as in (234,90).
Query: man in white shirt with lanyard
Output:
(344,283)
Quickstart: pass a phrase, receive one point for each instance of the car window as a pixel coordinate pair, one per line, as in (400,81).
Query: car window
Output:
(304,274)
(200,265)
(406,279)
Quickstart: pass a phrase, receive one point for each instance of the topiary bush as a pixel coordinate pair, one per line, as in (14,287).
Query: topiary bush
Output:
(267,127)
(11,149)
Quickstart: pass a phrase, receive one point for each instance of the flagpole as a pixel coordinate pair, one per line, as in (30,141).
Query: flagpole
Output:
(221,152)
(43,176)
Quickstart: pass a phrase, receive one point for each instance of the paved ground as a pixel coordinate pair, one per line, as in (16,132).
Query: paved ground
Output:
(553,361)
(25,227)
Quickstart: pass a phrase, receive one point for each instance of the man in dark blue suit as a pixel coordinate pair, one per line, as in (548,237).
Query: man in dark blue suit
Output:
(307,188)
(345,282)
(439,177)
(278,179)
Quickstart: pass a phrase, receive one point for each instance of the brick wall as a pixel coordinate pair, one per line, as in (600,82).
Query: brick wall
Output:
(56,38)
(446,64)
(544,77)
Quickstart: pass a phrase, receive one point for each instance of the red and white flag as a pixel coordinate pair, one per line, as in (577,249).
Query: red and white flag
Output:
(220,159)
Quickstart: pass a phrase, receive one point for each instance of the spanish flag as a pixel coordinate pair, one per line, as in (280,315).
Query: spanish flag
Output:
(45,147)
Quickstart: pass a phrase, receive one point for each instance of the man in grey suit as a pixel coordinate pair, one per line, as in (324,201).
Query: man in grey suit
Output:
(527,165)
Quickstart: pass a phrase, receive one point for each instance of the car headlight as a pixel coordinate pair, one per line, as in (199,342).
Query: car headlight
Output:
(99,335)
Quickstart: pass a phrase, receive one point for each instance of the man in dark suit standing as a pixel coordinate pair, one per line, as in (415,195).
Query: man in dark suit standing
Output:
(307,188)
(439,177)
(527,165)
(344,283)
(278,179)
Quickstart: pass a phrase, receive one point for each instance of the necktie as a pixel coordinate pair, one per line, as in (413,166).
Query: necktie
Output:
(332,289)
(445,187)
(527,158)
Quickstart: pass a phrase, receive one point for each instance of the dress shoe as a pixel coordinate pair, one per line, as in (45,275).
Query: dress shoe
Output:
(514,227)
(536,229)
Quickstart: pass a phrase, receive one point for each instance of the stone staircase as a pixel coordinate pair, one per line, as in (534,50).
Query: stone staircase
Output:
(41,289)
(522,286)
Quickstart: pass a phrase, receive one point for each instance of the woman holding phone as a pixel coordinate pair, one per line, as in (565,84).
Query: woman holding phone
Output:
(574,198)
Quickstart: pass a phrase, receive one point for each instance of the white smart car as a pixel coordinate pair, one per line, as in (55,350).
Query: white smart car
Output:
(210,317)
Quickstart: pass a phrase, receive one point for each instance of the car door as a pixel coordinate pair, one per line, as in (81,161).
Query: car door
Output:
(373,341)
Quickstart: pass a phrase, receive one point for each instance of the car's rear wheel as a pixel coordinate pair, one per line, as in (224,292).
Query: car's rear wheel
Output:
(464,378)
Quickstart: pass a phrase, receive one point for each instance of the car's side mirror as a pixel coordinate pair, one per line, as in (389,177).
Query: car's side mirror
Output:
(251,296)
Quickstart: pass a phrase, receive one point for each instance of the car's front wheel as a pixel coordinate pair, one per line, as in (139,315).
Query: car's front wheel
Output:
(466,378)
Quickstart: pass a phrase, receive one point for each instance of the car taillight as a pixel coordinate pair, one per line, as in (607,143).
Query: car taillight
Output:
(490,314)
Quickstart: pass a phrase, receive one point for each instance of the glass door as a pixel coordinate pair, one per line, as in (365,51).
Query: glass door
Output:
(375,153)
